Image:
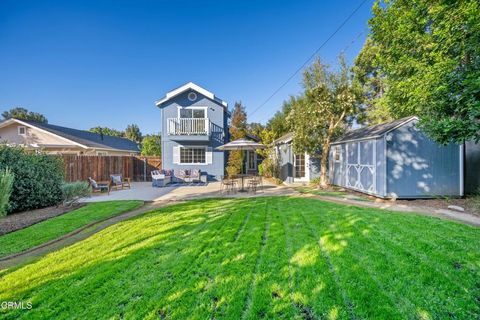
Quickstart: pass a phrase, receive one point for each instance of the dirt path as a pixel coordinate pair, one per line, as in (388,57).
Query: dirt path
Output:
(75,236)
(465,218)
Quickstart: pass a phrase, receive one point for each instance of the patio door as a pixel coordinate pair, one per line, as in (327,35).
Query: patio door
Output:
(299,166)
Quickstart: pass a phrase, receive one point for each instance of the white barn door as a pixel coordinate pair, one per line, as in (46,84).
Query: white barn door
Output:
(361,169)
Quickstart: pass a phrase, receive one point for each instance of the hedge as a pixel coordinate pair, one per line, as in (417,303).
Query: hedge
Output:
(37,178)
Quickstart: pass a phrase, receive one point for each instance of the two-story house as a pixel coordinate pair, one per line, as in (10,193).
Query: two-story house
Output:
(194,122)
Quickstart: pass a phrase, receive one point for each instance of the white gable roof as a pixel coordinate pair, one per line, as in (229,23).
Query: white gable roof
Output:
(190,86)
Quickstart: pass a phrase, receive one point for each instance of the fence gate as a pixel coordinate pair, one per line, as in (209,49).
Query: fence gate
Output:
(361,166)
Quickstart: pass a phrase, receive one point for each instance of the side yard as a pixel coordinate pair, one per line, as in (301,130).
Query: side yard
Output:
(253,258)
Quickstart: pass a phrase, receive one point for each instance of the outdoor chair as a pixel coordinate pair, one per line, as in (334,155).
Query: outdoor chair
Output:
(228,185)
(160,178)
(118,182)
(99,186)
(254,183)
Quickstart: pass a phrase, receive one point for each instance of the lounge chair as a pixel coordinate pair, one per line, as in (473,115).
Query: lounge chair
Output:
(99,186)
(118,182)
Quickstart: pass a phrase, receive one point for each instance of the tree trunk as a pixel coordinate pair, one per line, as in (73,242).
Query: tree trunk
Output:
(323,166)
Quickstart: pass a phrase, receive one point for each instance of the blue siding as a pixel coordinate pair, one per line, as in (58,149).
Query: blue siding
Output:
(381,167)
(285,156)
(218,117)
(419,167)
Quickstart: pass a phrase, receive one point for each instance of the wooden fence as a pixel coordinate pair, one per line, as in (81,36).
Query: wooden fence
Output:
(101,167)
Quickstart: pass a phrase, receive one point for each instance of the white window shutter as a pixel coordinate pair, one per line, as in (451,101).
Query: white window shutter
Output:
(209,155)
(176,155)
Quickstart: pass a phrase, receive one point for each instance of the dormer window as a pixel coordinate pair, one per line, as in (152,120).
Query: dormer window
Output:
(22,130)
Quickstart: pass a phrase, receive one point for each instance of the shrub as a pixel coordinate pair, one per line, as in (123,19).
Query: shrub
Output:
(6,183)
(270,166)
(74,191)
(37,178)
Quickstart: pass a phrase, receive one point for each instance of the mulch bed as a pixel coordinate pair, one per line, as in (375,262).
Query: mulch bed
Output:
(466,203)
(17,221)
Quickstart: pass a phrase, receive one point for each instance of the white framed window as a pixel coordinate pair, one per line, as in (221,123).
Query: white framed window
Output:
(22,130)
(299,165)
(193,155)
(337,153)
(192,112)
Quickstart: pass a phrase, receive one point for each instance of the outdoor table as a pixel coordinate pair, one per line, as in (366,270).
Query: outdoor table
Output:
(242,176)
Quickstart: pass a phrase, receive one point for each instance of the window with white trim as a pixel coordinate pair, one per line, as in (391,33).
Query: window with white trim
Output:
(22,130)
(193,155)
(337,153)
(197,113)
(252,165)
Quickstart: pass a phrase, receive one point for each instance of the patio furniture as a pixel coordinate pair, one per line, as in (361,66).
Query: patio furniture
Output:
(254,183)
(242,176)
(160,178)
(118,182)
(228,185)
(186,175)
(99,186)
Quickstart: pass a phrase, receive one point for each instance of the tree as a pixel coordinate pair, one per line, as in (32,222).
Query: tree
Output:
(132,132)
(325,109)
(151,145)
(430,54)
(107,131)
(238,130)
(278,124)
(24,114)
(372,83)
(255,129)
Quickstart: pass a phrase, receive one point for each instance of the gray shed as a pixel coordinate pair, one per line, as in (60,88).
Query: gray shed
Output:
(396,160)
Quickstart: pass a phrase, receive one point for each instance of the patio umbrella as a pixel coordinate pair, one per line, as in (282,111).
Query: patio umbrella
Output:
(242,144)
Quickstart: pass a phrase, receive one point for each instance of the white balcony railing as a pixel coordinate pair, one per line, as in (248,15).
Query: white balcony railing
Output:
(188,126)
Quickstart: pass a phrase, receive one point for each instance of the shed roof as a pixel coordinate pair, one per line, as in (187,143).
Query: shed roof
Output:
(374,131)
(84,138)
(284,139)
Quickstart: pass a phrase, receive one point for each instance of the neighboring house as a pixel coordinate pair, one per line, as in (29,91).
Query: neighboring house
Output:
(54,139)
(396,160)
(194,122)
(295,167)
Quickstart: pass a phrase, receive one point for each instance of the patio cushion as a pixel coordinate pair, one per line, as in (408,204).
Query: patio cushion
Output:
(195,174)
(93,183)
(116,178)
(168,172)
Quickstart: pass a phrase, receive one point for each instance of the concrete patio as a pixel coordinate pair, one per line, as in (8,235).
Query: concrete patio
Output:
(144,191)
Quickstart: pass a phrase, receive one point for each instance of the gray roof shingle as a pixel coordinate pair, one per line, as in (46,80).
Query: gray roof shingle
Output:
(372,131)
(87,138)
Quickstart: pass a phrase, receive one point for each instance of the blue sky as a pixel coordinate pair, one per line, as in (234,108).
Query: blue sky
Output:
(89,63)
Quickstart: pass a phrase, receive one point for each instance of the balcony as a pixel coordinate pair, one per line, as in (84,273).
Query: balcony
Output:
(189,128)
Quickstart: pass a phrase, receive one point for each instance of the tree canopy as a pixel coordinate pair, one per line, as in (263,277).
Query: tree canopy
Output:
(107,131)
(430,55)
(151,145)
(238,129)
(24,114)
(324,110)
(132,132)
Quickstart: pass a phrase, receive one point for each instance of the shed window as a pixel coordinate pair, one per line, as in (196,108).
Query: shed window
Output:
(22,130)
(192,155)
(337,153)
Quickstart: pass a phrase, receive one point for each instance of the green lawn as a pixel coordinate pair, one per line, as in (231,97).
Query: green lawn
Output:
(331,193)
(56,227)
(291,258)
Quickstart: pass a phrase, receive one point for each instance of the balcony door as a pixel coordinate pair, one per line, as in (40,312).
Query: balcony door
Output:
(193,119)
